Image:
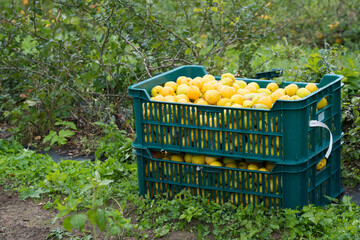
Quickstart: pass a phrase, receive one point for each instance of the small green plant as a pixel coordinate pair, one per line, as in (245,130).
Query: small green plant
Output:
(114,144)
(57,234)
(98,217)
(62,136)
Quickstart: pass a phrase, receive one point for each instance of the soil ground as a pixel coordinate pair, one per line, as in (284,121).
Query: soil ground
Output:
(23,219)
(27,220)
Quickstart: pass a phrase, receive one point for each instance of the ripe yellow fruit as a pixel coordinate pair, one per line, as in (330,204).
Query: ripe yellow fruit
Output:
(182,80)
(165,91)
(291,89)
(260,175)
(251,88)
(181,96)
(311,87)
(264,90)
(171,84)
(272,86)
(237,99)
(295,97)
(198,159)
(255,85)
(224,102)
(228,75)
(207,86)
(243,91)
(250,96)
(323,103)
(182,100)
(170,98)
(242,165)
(256,99)
(177,158)
(247,104)
(182,89)
(193,92)
(228,160)
(201,101)
(281,90)
(227,91)
(321,164)
(236,87)
(252,167)
(216,164)
(160,98)
(241,83)
(302,92)
(267,101)
(218,85)
(260,106)
(258,164)
(276,95)
(156,91)
(209,160)
(235,199)
(212,96)
(208,78)
(227,81)
(188,158)
(285,97)
(231,165)
(237,105)
(196,82)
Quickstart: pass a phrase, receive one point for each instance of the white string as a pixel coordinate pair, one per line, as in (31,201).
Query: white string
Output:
(314,123)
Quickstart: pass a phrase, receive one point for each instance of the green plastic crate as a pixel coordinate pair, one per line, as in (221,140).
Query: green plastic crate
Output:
(286,186)
(275,72)
(281,134)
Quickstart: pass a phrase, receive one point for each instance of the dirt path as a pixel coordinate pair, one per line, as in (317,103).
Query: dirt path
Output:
(23,219)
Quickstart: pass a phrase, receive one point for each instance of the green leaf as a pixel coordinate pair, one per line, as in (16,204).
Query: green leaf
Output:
(90,214)
(100,218)
(115,230)
(31,193)
(105,182)
(214,9)
(49,136)
(67,224)
(85,188)
(54,140)
(64,133)
(28,45)
(75,20)
(78,221)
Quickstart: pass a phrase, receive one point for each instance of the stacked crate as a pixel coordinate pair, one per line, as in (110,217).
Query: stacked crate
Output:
(281,136)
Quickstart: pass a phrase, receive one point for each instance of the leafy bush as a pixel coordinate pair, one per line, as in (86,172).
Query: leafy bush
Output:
(317,23)
(74,60)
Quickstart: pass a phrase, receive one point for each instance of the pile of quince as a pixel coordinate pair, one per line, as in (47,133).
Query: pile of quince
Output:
(229,92)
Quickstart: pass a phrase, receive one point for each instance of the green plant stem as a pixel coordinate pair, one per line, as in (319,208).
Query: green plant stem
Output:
(93,209)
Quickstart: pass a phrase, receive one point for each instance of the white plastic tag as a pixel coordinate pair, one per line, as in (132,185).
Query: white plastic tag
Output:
(314,123)
(198,168)
(321,116)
